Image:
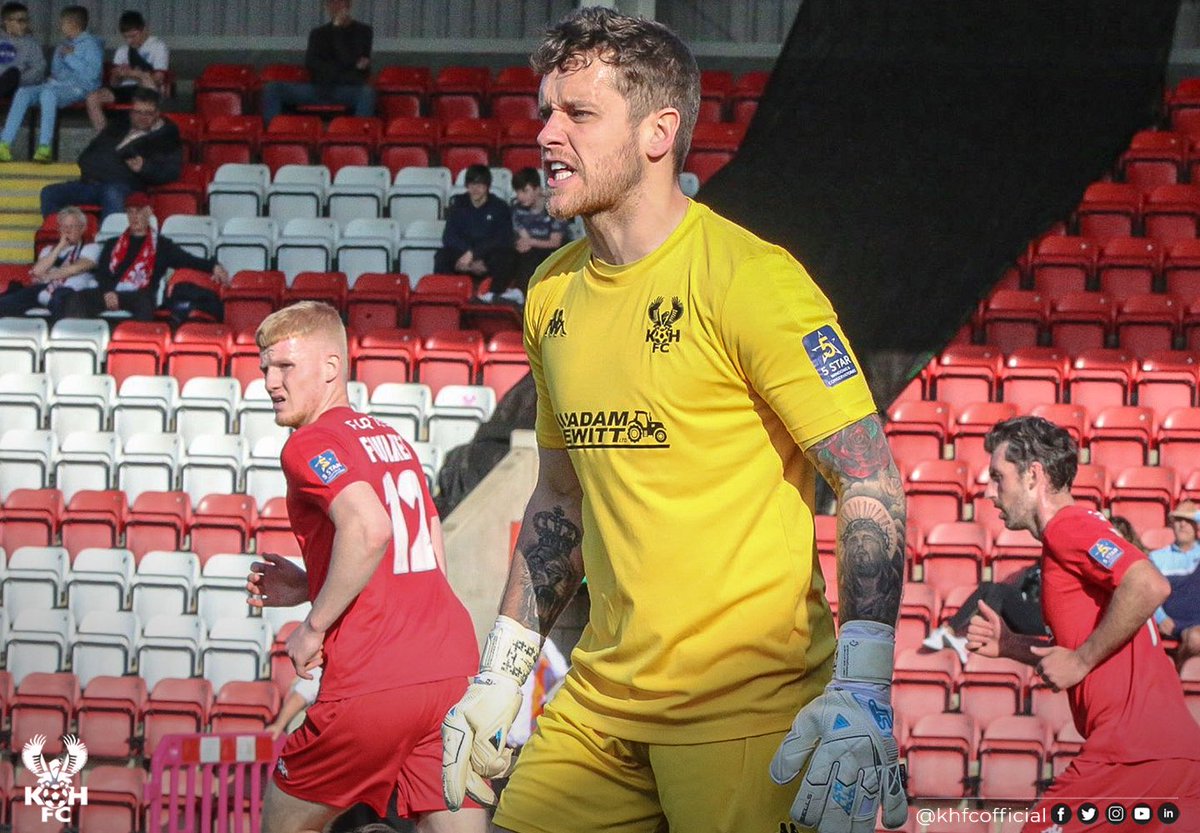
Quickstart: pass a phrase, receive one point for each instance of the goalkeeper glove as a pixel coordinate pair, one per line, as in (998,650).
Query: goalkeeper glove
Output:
(475,729)
(845,737)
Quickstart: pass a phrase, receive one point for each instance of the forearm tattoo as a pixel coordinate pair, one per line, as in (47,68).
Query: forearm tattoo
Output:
(546,568)
(858,464)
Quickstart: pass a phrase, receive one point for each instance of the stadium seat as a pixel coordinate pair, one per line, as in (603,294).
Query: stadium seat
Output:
(514,93)
(221,89)
(93,519)
(1013,319)
(384,355)
(937,491)
(458,411)
(404,406)
(256,416)
(75,346)
(923,682)
(157,521)
(1101,378)
(1011,755)
(1148,323)
(358,192)
(1182,104)
(1108,210)
(1062,265)
(44,704)
(918,611)
(273,532)
(1067,744)
(137,348)
(1121,437)
(517,146)
(1178,440)
(1156,538)
(408,142)
(237,191)
(199,349)
(713,146)
(1091,485)
(329,287)
(197,235)
(401,91)
(176,706)
(213,466)
(230,139)
(297,191)
(1181,270)
(1053,707)
(221,523)
(967,373)
(1012,551)
(1166,380)
(150,463)
(918,430)
(22,341)
(504,362)
(450,357)
(940,750)
(39,641)
(458,92)
(165,584)
(114,799)
(31,518)
(954,553)
(145,404)
(436,302)
(108,714)
(715,87)
(82,405)
(183,197)
(993,688)
(26,459)
(971,424)
(290,140)
(307,245)
(23,401)
(222,590)
(467,141)
(250,297)
(247,244)
(1129,266)
(236,650)
(377,301)
(170,648)
(1154,158)
(245,706)
(1080,321)
(746,92)
(1170,213)
(1033,376)
(104,645)
(368,246)
(264,477)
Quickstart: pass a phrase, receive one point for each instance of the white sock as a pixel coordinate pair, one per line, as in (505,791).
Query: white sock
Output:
(936,639)
(959,644)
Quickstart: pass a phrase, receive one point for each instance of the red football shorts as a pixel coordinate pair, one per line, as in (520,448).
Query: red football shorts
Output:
(1101,784)
(361,748)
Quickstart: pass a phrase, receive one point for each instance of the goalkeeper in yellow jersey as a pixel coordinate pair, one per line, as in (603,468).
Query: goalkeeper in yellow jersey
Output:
(692,382)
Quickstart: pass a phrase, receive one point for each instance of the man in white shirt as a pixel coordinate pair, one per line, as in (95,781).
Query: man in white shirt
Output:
(141,62)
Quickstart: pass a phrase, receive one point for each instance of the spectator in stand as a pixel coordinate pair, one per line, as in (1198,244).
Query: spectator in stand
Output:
(61,270)
(338,59)
(132,265)
(1179,616)
(478,238)
(22,63)
(1123,526)
(131,154)
(141,62)
(74,72)
(1018,600)
(537,236)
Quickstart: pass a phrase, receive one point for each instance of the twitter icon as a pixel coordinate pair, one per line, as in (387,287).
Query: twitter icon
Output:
(1088,812)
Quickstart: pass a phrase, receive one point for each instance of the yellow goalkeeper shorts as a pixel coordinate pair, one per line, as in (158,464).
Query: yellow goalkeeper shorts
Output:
(570,778)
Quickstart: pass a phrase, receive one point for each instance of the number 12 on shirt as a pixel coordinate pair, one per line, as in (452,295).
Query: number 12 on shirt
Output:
(412,554)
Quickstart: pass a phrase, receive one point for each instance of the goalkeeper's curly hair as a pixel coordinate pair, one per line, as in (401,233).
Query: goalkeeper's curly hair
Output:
(654,68)
(1034,439)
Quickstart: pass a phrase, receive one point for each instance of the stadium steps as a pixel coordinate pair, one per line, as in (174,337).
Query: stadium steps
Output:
(21,184)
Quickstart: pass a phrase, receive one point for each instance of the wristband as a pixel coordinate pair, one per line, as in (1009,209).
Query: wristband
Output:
(511,650)
(865,652)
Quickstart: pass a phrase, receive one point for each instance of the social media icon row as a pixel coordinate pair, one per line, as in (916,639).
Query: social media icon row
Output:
(1167,813)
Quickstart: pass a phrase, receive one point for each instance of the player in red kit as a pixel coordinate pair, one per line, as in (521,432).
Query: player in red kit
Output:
(1099,593)
(395,644)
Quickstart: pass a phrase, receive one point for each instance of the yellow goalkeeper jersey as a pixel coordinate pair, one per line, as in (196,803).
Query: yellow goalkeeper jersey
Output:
(684,387)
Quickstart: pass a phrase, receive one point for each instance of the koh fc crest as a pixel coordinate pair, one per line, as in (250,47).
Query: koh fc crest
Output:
(54,792)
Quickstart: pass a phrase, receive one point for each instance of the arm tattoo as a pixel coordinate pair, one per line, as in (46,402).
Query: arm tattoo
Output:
(858,464)
(552,571)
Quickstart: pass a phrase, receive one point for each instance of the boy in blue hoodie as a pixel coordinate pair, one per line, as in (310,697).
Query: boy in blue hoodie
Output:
(74,72)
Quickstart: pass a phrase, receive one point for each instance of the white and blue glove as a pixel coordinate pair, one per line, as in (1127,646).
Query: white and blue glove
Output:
(475,730)
(844,736)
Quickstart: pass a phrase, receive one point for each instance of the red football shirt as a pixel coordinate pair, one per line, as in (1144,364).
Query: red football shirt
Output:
(406,626)
(1130,708)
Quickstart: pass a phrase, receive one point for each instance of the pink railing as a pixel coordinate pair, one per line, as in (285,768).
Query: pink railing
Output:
(211,783)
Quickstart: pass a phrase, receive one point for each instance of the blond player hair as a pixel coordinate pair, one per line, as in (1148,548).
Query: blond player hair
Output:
(304,319)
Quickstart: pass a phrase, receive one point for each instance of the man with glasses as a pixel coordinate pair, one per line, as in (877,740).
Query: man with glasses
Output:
(128,155)
(22,63)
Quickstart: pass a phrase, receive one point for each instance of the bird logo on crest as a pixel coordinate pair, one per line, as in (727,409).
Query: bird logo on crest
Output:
(54,790)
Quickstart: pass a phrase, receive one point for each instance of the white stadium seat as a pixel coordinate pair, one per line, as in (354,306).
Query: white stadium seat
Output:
(39,641)
(197,235)
(418,194)
(76,346)
(247,243)
(358,192)
(23,401)
(297,191)
(87,460)
(170,647)
(22,342)
(82,404)
(238,190)
(165,584)
(105,645)
(307,245)
(149,463)
(26,460)
(422,239)
(99,581)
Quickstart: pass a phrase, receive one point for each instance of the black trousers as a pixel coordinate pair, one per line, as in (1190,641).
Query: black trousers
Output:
(90,303)
(499,262)
(1021,614)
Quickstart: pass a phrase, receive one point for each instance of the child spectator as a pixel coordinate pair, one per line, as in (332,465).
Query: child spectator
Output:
(478,238)
(141,62)
(22,63)
(537,235)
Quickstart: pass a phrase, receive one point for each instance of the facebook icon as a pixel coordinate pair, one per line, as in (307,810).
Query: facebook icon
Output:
(1061,813)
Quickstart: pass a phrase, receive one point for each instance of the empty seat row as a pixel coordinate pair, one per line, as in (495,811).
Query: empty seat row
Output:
(1120,266)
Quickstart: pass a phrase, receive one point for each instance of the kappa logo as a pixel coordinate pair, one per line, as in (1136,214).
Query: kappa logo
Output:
(54,792)
(663,333)
(557,327)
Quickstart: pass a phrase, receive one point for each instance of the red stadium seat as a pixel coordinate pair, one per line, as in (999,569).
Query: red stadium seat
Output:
(1013,318)
(1148,323)
(971,424)
(1091,485)
(408,142)
(1013,551)
(715,88)
(1129,266)
(436,303)
(222,523)
(329,287)
(94,519)
(517,146)
(713,145)
(489,319)
(937,490)
(222,89)
(1011,756)
(1171,212)
(350,140)
(137,348)
(449,358)
(44,704)
(918,612)
(923,682)
(199,349)
(746,93)
(1181,270)
(1053,707)
(1179,440)
(1063,264)
(514,93)
(251,297)
(940,750)
(1074,418)
(186,195)
(114,799)
(1183,108)
(377,301)
(1191,326)
(1121,436)
(290,140)
(1101,379)
(168,204)
(953,554)
(1080,321)
(401,91)
(27,818)
(1144,495)
(1108,210)
(176,706)
(230,139)
(468,141)
(458,92)
(993,688)
(1034,375)
(384,355)
(157,521)
(918,430)
(109,712)
(190,127)
(273,532)
(245,707)
(967,373)
(1154,158)
(504,362)
(31,518)
(1167,380)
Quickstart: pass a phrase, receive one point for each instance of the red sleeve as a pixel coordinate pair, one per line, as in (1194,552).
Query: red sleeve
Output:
(1089,547)
(318,464)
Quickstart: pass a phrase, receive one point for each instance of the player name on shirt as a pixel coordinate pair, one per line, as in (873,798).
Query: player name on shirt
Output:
(380,448)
